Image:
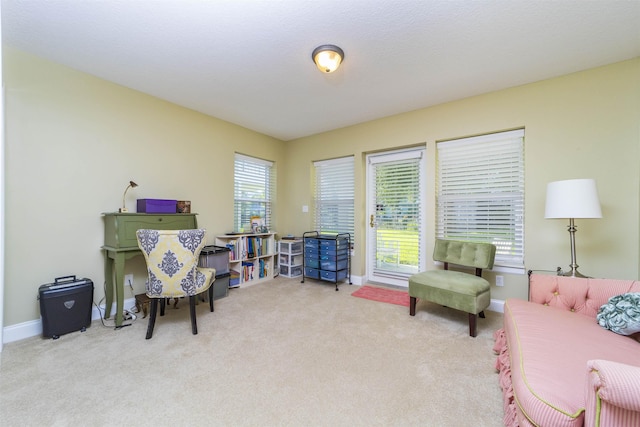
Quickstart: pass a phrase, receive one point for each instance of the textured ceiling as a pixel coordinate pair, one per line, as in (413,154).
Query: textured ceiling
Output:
(249,62)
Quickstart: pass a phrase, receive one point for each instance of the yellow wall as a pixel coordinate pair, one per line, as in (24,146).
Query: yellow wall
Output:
(583,125)
(74,141)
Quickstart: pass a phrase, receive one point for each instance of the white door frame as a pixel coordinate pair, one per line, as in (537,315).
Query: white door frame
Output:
(370,210)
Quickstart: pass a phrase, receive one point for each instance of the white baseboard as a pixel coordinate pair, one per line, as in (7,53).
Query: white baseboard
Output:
(33,328)
(21,331)
(496,305)
(356,280)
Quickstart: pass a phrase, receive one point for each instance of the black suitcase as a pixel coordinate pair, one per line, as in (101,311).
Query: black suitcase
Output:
(65,305)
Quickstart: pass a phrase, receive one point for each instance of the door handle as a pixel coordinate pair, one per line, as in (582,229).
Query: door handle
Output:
(371,221)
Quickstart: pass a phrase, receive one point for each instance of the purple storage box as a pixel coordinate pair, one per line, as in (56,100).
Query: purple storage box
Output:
(157,206)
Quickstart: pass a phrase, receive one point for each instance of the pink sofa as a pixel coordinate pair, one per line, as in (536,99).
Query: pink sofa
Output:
(557,366)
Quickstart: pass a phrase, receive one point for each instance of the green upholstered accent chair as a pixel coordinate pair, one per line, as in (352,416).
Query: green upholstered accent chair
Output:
(172,265)
(455,289)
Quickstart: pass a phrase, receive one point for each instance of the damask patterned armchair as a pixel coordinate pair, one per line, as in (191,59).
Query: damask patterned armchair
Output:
(172,265)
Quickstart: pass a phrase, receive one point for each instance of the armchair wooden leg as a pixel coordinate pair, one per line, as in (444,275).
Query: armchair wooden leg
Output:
(163,303)
(481,314)
(152,317)
(192,308)
(211,297)
(412,306)
(473,326)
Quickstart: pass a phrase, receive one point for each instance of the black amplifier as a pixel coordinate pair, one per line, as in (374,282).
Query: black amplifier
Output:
(65,305)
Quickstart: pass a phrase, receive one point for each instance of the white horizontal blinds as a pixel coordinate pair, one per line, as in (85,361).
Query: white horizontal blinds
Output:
(398,194)
(254,190)
(334,195)
(480,193)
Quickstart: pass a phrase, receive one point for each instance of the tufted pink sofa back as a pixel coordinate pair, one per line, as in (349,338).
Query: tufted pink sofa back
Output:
(584,296)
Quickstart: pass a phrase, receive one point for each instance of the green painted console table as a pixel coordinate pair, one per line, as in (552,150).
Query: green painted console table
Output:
(120,244)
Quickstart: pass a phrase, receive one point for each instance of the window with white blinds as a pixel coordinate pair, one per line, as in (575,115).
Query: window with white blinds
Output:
(480,193)
(254,190)
(334,194)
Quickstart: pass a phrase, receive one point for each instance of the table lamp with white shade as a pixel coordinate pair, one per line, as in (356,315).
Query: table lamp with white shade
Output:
(573,198)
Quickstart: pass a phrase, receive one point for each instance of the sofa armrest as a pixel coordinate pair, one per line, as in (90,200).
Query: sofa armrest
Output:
(613,394)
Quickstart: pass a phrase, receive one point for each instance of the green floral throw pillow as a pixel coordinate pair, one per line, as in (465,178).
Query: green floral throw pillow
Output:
(621,314)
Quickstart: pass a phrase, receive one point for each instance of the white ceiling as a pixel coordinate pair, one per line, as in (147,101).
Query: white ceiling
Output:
(249,61)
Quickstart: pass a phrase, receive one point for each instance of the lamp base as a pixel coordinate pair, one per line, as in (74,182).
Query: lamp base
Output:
(572,273)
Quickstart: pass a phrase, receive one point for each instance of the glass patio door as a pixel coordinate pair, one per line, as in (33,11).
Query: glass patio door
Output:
(395,215)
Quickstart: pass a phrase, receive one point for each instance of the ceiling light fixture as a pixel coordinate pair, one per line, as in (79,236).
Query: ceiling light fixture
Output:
(327,57)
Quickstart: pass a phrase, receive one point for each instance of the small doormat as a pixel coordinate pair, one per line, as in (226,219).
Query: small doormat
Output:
(390,296)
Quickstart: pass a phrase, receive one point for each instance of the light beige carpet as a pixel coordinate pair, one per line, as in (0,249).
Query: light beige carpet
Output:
(280,353)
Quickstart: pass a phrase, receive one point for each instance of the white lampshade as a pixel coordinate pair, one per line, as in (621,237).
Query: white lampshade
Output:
(573,198)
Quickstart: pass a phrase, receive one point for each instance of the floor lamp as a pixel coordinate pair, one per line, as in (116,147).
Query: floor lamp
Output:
(573,198)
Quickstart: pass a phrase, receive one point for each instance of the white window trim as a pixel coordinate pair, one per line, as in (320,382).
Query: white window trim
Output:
(347,198)
(270,193)
(475,143)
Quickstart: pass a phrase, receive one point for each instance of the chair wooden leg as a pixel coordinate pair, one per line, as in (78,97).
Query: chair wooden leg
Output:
(473,326)
(211,298)
(412,306)
(163,303)
(152,317)
(192,309)
(481,314)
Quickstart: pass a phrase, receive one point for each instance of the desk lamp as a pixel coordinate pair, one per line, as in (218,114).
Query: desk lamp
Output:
(131,185)
(573,198)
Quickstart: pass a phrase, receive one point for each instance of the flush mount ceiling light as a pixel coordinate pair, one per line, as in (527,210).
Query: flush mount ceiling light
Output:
(327,57)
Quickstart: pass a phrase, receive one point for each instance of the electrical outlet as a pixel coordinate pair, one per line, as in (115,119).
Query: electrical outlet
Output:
(128,279)
(499,280)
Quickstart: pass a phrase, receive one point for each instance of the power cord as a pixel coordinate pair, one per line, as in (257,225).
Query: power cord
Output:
(127,315)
